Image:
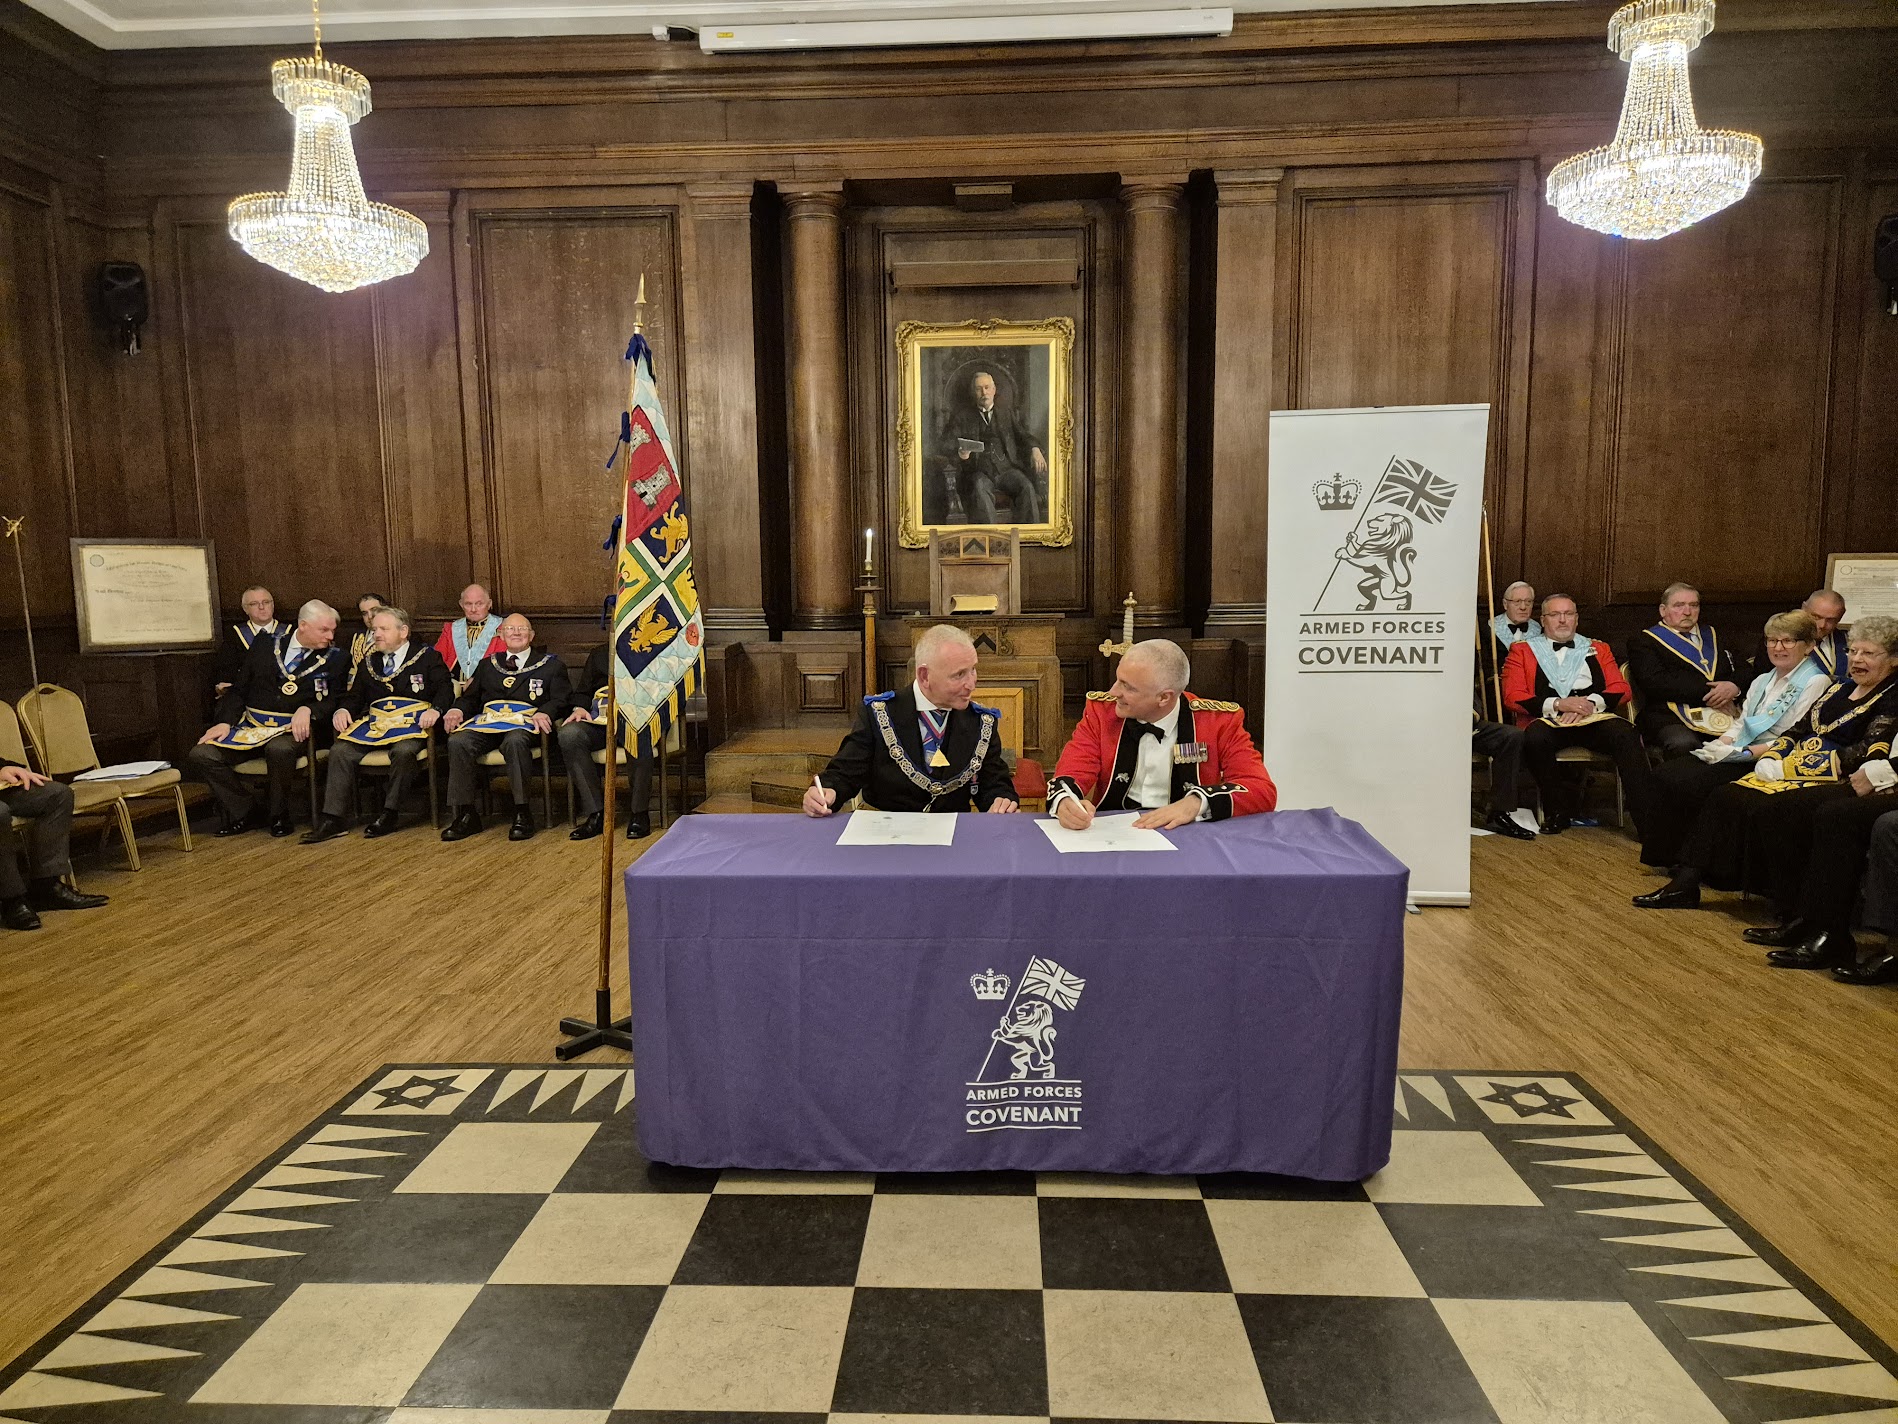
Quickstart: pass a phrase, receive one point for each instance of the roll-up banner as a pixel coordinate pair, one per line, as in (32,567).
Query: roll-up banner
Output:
(1371,573)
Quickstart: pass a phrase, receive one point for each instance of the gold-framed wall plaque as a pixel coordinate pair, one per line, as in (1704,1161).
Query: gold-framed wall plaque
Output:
(1867,582)
(145,595)
(985,428)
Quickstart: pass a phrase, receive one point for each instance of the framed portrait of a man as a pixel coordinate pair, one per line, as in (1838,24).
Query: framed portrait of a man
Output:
(985,428)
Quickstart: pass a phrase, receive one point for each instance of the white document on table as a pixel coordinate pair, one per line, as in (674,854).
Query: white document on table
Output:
(868,828)
(1112,832)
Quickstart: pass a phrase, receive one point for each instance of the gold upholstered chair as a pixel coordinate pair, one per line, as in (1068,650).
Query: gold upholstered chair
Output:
(90,798)
(55,720)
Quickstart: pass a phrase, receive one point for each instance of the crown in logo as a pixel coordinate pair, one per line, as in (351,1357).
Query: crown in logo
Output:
(1339,494)
(990,985)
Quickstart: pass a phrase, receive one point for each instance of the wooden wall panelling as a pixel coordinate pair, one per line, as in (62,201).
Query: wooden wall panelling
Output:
(424,495)
(1415,286)
(121,455)
(721,359)
(1245,264)
(1724,384)
(1152,426)
(823,514)
(1862,507)
(555,277)
(36,471)
(282,404)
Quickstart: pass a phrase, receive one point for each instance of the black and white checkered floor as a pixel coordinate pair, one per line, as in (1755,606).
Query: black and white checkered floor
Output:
(488,1240)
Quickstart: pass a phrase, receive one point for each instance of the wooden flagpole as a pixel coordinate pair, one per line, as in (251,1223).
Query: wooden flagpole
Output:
(1493,695)
(604,1031)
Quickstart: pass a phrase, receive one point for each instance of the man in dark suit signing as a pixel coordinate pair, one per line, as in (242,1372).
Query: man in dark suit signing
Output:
(990,453)
(926,748)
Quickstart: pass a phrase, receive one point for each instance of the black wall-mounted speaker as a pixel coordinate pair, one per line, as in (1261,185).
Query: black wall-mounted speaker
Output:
(126,301)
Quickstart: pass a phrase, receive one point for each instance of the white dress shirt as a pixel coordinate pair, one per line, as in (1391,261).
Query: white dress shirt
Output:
(296,650)
(1584,679)
(394,658)
(1152,784)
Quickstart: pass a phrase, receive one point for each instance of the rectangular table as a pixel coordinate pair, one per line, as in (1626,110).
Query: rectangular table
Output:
(1232,1005)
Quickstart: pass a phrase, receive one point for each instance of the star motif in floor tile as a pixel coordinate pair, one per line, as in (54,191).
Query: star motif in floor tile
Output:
(417,1092)
(1529,1100)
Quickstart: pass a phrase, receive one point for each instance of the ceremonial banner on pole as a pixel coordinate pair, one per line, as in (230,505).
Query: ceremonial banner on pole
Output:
(658,634)
(1370,595)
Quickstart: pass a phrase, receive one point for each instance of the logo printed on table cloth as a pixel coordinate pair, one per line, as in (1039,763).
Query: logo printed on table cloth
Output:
(1017,1087)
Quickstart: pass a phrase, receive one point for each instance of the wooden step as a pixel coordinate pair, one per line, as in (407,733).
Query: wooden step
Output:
(732,804)
(780,790)
(731,766)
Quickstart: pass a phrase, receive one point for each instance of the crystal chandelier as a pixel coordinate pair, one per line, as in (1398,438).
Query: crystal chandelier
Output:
(325,230)
(1664,171)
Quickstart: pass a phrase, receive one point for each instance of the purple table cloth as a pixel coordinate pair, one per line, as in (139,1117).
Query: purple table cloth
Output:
(1232,1005)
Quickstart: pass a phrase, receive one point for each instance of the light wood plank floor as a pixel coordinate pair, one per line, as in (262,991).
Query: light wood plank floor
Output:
(159,1048)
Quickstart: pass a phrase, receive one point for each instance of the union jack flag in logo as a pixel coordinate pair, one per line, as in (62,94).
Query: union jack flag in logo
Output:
(1409,485)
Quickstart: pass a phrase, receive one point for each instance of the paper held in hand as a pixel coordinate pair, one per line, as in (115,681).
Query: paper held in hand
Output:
(1113,832)
(911,828)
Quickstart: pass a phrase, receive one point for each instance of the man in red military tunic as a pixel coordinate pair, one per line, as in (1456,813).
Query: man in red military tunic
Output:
(1152,746)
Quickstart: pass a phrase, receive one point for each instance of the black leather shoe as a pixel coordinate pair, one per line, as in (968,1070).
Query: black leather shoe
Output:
(1794,931)
(638,828)
(465,824)
(281,826)
(587,827)
(18,915)
(250,821)
(1882,970)
(1508,826)
(58,895)
(1668,898)
(1825,950)
(1555,825)
(385,822)
(523,827)
(327,828)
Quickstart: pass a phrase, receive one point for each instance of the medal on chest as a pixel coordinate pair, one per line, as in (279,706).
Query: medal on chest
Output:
(1189,753)
(289,687)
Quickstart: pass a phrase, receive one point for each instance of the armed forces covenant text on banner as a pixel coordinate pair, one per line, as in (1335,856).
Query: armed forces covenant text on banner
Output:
(1370,607)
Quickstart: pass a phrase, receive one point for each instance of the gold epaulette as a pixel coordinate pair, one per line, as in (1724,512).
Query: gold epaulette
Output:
(1100,697)
(1207,704)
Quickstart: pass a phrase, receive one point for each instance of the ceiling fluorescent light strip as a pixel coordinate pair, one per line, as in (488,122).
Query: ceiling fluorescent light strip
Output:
(974,29)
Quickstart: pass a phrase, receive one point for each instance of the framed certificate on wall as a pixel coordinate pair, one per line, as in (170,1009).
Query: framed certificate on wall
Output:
(145,595)
(1867,582)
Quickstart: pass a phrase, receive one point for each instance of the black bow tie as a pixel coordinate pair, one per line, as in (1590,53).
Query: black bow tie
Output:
(1519,627)
(1147,729)
(1563,646)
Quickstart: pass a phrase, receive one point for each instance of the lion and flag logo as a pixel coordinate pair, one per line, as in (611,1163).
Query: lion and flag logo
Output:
(658,631)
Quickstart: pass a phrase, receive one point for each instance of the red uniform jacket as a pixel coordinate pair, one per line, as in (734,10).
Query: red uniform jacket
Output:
(1098,760)
(445,645)
(1526,686)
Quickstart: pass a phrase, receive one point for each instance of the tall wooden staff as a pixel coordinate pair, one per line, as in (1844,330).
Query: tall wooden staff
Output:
(605,1031)
(13,527)
(1493,692)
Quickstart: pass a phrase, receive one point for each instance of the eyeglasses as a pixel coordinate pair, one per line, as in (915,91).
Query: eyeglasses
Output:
(1784,642)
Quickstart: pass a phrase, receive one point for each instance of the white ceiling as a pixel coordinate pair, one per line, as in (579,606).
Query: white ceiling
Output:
(154,24)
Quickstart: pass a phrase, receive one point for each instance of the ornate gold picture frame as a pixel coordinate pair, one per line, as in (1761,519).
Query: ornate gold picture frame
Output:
(985,428)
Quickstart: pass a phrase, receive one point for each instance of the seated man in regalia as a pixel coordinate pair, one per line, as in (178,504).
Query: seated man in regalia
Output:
(1151,746)
(471,637)
(397,694)
(930,747)
(278,708)
(260,621)
(511,701)
(583,734)
(1689,684)
(1563,691)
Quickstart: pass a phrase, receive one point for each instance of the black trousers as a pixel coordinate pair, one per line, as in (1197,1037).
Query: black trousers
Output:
(1842,832)
(339,785)
(1613,737)
(1672,737)
(979,487)
(1759,841)
(1502,744)
(1881,876)
(1677,792)
(578,742)
(465,747)
(216,767)
(48,854)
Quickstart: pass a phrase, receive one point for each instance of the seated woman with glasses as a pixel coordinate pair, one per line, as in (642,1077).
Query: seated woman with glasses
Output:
(1756,833)
(1776,701)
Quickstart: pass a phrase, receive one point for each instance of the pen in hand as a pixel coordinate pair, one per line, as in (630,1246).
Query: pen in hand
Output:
(817,800)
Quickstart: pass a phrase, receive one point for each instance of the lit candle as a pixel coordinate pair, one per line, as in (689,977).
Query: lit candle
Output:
(869,537)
